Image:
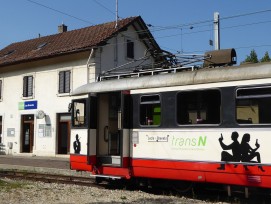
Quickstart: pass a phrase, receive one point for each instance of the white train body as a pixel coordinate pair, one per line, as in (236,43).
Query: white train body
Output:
(208,125)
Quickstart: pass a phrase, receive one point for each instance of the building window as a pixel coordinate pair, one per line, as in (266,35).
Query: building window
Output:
(253,105)
(64,82)
(150,110)
(198,107)
(28,86)
(130,49)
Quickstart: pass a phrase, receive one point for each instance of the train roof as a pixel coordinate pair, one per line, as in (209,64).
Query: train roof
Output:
(199,76)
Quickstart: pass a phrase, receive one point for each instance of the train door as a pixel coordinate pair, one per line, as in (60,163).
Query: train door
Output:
(83,135)
(112,139)
(27,133)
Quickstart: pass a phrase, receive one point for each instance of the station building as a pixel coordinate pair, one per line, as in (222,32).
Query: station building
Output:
(37,78)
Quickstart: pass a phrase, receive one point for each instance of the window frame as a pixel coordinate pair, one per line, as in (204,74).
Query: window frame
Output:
(65,92)
(145,103)
(130,48)
(250,97)
(85,101)
(199,124)
(26,86)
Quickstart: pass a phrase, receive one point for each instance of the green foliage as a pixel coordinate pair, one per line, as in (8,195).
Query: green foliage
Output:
(253,58)
(266,57)
(8,185)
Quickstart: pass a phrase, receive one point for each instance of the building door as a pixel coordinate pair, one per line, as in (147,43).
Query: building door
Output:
(27,133)
(64,127)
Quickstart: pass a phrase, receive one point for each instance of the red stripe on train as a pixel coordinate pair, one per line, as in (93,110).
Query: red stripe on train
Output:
(179,170)
(202,172)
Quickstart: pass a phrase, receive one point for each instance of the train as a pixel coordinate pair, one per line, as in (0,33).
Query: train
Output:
(180,125)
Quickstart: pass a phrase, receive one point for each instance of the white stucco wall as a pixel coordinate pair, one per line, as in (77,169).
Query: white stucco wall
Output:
(47,97)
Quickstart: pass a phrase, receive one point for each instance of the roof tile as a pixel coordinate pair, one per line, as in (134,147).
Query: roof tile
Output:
(61,43)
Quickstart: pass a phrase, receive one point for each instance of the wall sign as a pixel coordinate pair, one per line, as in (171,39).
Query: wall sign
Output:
(28,105)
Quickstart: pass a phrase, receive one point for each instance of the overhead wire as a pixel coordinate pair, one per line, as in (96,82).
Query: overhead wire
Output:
(58,11)
(103,6)
(161,28)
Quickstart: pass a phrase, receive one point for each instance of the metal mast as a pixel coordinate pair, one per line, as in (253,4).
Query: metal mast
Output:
(117,15)
(217,31)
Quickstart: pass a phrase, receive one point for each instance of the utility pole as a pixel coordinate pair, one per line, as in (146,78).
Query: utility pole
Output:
(117,15)
(217,31)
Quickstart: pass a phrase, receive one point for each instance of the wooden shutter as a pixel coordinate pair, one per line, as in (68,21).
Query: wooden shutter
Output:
(0,90)
(61,82)
(28,86)
(67,81)
(25,86)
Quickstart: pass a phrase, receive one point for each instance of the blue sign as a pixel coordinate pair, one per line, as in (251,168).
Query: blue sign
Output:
(28,105)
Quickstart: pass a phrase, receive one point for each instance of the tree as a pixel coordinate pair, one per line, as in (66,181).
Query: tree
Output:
(252,58)
(266,57)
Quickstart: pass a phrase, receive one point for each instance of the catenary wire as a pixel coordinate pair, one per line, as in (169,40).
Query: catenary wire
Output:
(172,27)
(58,11)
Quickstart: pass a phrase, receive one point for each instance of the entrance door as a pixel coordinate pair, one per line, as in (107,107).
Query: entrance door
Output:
(64,126)
(112,143)
(109,138)
(27,133)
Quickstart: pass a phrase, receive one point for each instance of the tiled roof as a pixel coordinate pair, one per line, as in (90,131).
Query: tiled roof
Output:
(62,43)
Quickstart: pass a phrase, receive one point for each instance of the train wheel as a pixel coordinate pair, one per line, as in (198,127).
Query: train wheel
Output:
(182,186)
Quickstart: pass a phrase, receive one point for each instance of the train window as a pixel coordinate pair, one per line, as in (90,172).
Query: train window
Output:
(150,110)
(253,105)
(198,107)
(79,113)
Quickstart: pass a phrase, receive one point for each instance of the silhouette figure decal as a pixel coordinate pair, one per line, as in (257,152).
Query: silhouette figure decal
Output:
(77,145)
(241,152)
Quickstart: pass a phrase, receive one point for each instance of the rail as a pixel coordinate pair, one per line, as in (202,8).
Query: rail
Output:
(50,178)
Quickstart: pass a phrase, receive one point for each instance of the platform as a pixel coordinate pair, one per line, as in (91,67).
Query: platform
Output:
(52,165)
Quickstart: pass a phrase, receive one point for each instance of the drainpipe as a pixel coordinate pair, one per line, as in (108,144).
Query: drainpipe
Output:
(89,58)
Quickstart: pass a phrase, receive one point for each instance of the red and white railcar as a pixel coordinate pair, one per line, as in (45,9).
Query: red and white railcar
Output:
(206,125)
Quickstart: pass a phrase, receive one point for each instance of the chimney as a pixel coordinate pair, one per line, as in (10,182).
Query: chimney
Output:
(62,28)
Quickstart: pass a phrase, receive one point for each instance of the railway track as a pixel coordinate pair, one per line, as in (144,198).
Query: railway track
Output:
(50,178)
(209,193)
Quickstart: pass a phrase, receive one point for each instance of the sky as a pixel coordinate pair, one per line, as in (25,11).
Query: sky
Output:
(179,26)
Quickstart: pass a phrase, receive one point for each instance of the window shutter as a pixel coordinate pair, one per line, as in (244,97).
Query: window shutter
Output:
(61,82)
(30,86)
(64,82)
(25,86)
(0,89)
(67,81)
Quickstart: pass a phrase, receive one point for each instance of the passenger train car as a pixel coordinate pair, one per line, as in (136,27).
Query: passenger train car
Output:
(180,124)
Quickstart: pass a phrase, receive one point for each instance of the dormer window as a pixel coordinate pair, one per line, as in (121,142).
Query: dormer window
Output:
(8,53)
(41,45)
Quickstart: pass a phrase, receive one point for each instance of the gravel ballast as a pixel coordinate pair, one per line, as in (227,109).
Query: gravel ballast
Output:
(27,192)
